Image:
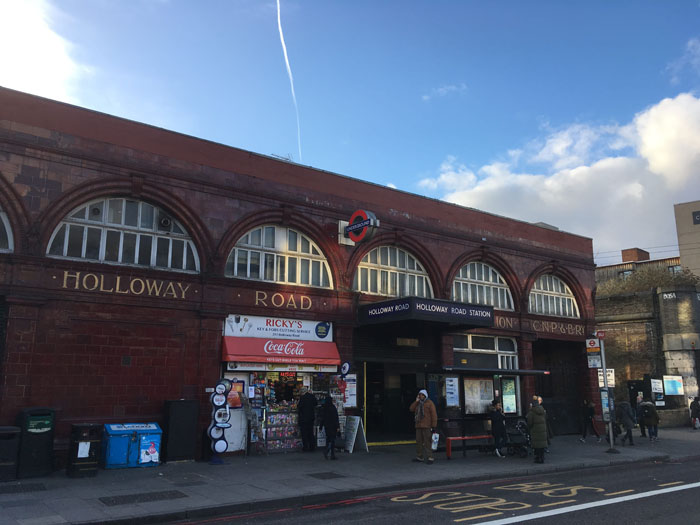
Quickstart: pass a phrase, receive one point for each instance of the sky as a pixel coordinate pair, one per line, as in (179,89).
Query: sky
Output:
(584,114)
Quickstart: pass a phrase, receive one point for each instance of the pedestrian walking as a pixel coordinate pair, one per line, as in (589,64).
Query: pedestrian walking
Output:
(650,417)
(640,419)
(498,427)
(587,414)
(695,413)
(331,424)
(306,411)
(426,420)
(625,416)
(550,432)
(537,425)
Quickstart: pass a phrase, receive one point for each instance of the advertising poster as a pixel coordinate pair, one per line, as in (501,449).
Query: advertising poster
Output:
(350,396)
(452,391)
(673,385)
(657,386)
(510,405)
(277,328)
(478,394)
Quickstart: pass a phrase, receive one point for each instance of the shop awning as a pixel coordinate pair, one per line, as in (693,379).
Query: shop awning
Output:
(498,371)
(261,350)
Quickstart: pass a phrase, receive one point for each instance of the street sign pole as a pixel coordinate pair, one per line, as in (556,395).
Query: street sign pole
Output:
(611,402)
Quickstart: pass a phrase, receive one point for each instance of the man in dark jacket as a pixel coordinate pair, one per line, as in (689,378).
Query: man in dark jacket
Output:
(307,414)
(537,425)
(625,415)
(498,427)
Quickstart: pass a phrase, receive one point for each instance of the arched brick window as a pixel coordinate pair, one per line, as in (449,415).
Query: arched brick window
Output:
(6,240)
(551,296)
(126,232)
(479,283)
(392,272)
(280,255)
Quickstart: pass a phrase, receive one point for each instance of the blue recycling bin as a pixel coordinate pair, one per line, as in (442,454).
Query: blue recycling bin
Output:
(131,445)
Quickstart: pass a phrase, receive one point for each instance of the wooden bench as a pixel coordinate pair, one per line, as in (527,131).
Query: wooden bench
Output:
(449,440)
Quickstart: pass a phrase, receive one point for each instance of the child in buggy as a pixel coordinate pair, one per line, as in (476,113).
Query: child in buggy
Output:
(518,437)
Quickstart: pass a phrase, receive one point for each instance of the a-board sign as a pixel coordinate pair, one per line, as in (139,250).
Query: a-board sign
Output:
(355,433)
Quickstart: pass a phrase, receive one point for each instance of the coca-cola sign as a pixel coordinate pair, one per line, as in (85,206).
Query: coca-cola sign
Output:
(284,348)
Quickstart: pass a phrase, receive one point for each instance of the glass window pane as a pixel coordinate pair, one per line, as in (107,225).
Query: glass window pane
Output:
(384,256)
(292,270)
(58,241)
(281,271)
(373,256)
(411,262)
(384,282)
(256,237)
(254,265)
(483,342)
(420,287)
(304,277)
(292,241)
(131,214)
(92,244)
(80,214)
(411,285)
(305,246)
(112,246)
(325,280)
(178,256)
(96,211)
(4,238)
(393,283)
(373,276)
(162,252)
(191,262)
(402,259)
(269,267)
(114,211)
(364,280)
(316,273)
(75,241)
(128,248)
(269,237)
(392,257)
(242,263)
(402,285)
(145,248)
(506,345)
(147,213)
(177,229)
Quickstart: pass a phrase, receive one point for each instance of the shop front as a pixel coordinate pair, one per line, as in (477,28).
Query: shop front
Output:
(270,361)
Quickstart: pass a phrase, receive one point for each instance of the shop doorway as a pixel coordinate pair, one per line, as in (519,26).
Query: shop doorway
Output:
(560,390)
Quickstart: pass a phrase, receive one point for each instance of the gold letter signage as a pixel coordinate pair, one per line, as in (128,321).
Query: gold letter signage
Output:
(97,282)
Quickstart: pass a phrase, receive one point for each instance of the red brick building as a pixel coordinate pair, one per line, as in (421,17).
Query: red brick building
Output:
(124,249)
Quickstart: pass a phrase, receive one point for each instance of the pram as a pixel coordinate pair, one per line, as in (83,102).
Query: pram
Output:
(518,438)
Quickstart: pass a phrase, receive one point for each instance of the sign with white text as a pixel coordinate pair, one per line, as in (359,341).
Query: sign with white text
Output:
(277,328)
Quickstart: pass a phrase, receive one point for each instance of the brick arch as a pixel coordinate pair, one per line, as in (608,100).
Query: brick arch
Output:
(17,214)
(132,188)
(565,275)
(405,242)
(285,218)
(488,257)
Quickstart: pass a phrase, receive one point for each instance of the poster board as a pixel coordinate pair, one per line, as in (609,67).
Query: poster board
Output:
(478,394)
(510,402)
(355,434)
(452,391)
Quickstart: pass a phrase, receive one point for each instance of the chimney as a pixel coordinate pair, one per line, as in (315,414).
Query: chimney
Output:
(634,255)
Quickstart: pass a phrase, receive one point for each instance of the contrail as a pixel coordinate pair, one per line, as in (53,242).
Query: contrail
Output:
(291,79)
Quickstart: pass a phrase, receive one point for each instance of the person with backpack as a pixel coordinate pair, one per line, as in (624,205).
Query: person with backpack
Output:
(650,417)
(625,416)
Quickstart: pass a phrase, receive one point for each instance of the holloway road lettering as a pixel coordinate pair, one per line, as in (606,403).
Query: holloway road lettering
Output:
(93,282)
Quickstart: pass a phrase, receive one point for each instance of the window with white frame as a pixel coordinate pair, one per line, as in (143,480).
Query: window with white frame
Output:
(551,296)
(392,272)
(280,255)
(6,239)
(479,283)
(126,232)
(505,347)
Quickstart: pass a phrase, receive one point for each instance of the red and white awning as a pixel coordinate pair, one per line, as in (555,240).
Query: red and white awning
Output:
(259,350)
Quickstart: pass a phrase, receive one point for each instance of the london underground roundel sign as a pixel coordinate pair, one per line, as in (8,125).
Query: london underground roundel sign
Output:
(361,226)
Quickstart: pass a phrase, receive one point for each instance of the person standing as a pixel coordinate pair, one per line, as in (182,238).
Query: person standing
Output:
(650,417)
(587,414)
(625,415)
(640,419)
(330,422)
(537,425)
(306,410)
(498,427)
(695,413)
(425,419)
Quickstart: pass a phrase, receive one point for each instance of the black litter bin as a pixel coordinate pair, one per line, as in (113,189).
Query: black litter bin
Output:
(9,446)
(36,442)
(84,452)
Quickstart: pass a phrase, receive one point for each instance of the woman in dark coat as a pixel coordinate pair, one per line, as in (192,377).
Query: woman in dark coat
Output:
(695,412)
(329,421)
(498,427)
(625,415)
(537,425)
(650,417)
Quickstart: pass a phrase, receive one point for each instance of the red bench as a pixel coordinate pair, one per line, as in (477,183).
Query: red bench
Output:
(449,440)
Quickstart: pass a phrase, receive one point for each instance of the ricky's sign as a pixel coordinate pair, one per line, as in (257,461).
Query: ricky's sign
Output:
(99,282)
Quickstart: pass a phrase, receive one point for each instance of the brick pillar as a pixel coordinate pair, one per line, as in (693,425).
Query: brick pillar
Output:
(447,350)
(527,382)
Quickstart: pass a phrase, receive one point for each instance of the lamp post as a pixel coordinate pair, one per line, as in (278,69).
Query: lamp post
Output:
(611,403)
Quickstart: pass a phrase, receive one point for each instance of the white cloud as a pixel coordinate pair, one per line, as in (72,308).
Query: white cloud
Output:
(620,201)
(36,59)
(689,61)
(443,91)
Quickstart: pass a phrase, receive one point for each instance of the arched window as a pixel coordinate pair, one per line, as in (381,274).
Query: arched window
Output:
(124,231)
(391,271)
(280,255)
(551,296)
(479,283)
(6,241)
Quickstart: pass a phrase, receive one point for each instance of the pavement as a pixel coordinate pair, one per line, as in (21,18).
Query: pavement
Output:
(199,490)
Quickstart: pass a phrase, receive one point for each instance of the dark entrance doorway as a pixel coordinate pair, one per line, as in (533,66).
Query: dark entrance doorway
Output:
(389,396)
(560,390)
